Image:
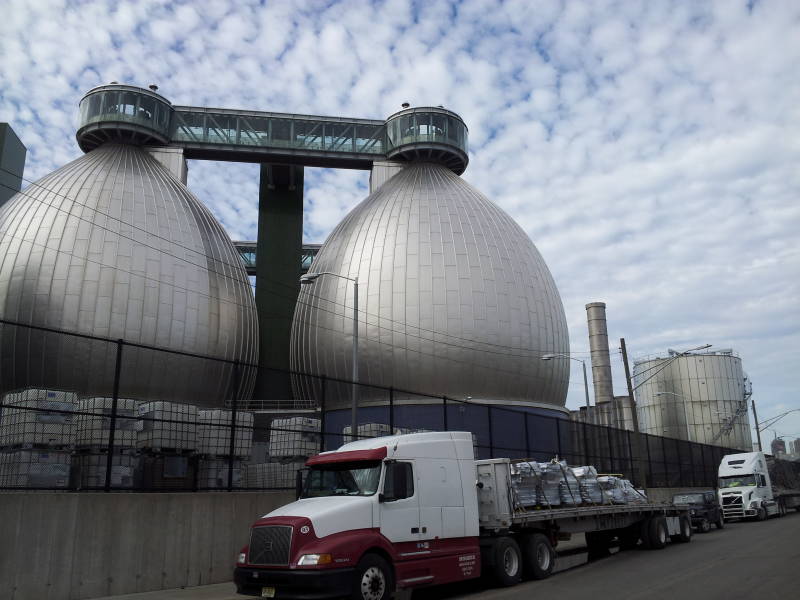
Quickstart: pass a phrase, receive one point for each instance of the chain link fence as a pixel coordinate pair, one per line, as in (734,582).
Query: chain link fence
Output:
(117,430)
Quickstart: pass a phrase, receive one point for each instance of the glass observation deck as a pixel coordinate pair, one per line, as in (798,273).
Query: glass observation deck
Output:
(134,115)
(247,251)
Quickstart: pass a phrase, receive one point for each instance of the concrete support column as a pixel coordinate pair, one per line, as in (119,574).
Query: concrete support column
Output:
(279,246)
(12,162)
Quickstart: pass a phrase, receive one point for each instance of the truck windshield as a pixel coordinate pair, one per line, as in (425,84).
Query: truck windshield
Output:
(737,481)
(342,479)
(688,499)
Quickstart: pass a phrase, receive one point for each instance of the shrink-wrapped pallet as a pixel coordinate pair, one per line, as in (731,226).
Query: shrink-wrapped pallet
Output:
(167,426)
(213,474)
(569,489)
(526,479)
(94,429)
(34,417)
(214,432)
(589,487)
(294,437)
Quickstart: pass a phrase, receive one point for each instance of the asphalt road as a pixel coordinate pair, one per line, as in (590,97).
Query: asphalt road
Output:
(750,561)
(747,560)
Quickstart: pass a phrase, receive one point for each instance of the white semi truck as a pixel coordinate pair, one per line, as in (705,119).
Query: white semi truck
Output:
(416,510)
(752,485)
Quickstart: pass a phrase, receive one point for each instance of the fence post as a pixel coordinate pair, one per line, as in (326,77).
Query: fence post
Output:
(491,436)
(391,410)
(322,416)
(558,437)
(112,426)
(234,406)
(444,412)
(527,438)
(649,478)
(634,471)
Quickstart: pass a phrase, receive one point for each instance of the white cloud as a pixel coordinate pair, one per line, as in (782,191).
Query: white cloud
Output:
(649,149)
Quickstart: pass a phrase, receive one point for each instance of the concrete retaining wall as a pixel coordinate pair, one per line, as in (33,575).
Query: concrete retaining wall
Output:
(57,546)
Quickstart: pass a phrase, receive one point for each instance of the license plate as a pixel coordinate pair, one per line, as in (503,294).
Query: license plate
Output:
(268,592)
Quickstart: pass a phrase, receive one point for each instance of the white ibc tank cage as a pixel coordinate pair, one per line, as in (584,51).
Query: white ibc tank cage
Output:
(699,397)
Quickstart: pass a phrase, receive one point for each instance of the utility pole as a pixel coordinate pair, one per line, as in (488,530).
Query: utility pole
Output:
(636,446)
(758,431)
(628,381)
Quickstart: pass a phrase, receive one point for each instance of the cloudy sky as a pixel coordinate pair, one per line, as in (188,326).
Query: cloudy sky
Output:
(650,149)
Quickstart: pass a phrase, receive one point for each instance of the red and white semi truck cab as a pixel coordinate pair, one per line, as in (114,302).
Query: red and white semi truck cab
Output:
(376,514)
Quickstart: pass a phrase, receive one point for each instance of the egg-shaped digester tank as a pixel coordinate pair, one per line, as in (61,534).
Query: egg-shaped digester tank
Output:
(454,299)
(112,245)
(699,397)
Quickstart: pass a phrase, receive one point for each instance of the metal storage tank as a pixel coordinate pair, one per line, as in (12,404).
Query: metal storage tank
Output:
(112,245)
(454,299)
(700,397)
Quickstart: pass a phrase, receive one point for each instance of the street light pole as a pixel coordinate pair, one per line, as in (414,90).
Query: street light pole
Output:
(310,278)
(585,382)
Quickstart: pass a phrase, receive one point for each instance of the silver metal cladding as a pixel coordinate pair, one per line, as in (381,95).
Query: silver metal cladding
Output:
(112,245)
(454,299)
(698,397)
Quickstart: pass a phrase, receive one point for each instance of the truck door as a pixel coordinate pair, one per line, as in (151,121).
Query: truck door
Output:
(399,503)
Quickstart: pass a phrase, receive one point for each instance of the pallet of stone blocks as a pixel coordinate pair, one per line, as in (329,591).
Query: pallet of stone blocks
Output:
(167,426)
(214,433)
(213,473)
(89,469)
(294,436)
(94,422)
(37,417)
(45,469)
(272,475)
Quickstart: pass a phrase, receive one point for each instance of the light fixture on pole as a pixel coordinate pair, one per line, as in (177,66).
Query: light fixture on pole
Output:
(310,278)
(685,413)
(585,383)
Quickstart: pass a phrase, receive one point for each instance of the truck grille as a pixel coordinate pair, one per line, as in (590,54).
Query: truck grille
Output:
(270,545)
(730,500)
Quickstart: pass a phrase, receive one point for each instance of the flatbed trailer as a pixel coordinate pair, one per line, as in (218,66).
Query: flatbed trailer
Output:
(406,511)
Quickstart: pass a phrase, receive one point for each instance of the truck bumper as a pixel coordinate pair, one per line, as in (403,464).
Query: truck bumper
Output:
(295,583)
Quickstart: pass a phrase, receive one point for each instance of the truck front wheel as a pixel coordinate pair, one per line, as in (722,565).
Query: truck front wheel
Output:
(507,562)
(538,555)
(762,514)
(373,579)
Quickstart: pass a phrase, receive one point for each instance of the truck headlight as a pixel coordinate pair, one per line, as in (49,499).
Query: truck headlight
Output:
(314,559)
(242,558)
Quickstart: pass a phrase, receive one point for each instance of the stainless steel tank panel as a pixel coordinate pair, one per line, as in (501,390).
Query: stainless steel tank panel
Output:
(454,298)
(112,245)
(708,386)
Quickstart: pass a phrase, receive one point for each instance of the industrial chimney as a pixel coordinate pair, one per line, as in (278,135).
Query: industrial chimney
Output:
(601,361)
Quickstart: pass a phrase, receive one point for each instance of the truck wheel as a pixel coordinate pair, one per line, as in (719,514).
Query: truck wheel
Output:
(507,562)
(658,533)
(762,514)
(704,526)
(373,579)
(538,555)
(685,533)
(597,543)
